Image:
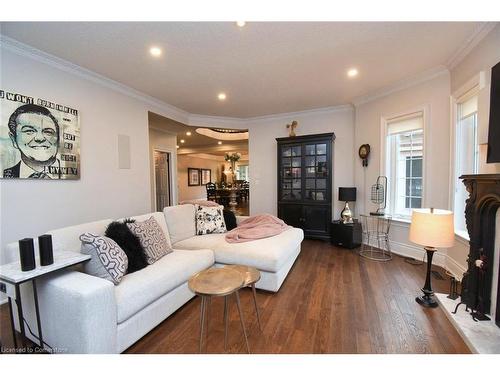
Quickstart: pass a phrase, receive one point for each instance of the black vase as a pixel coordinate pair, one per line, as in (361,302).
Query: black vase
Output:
(27,254)
(45,247)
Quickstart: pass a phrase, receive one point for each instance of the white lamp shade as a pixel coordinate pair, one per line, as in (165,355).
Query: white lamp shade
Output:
(432,228)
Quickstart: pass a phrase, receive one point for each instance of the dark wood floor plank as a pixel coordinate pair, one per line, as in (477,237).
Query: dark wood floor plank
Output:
(333,301)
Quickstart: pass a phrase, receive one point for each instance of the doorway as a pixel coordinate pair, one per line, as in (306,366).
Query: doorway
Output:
(162,179)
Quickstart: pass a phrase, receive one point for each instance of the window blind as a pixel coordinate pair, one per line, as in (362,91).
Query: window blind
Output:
(468,107)
(405,123)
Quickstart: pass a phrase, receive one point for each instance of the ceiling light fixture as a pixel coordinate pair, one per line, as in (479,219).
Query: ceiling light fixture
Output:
(177,146)
(219,143)
(222,96)
(353,72)
(241,23)
(155,51)
(182,141)
(188,133)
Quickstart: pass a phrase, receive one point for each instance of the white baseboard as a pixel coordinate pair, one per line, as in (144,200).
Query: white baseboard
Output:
(439,259)
(455,268)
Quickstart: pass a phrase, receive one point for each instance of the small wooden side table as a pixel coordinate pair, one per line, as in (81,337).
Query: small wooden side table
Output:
(217,282)
(11,278)
(251,275)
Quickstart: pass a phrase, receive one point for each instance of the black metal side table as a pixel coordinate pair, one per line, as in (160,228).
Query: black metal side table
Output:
(346,235)
(11,279)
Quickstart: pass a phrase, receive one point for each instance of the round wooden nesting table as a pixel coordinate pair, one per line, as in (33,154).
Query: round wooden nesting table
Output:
(218,282)
(250,276)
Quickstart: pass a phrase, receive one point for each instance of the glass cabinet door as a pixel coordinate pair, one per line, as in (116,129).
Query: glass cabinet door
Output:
(291,173)
(316,172)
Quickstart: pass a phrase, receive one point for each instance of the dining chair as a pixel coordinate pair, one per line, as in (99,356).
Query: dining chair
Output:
(245,190)
(211,191)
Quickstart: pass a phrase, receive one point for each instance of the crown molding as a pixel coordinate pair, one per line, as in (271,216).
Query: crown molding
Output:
(468,45)
(288,115)
(243,122)
(403,84)
(216,121)
(25,50)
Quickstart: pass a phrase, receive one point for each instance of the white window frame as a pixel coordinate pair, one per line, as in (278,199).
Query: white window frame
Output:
(384,121)
(469,89)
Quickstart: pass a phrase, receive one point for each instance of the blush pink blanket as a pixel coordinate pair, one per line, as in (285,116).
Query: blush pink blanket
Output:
(257,227)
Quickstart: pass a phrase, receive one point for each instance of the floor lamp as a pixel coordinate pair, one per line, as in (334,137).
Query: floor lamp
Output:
(431,228)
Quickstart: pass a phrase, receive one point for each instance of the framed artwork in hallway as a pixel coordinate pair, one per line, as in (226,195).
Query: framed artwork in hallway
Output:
(206,176)
(193,177)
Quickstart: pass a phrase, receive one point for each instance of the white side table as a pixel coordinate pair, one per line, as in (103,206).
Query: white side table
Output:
(11,278)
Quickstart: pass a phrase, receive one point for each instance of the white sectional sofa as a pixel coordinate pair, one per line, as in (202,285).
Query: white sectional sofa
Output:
(81,313)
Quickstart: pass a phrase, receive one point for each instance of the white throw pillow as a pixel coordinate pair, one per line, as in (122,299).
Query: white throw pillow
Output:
(180,221)
(209,220)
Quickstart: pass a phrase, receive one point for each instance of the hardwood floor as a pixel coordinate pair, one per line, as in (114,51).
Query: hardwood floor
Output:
(333,301)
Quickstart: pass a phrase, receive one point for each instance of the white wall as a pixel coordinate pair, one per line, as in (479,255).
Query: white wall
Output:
(263,152)
(163,141)
(432,96)
(29,208)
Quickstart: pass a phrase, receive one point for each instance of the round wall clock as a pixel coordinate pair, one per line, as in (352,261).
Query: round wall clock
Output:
(364,151)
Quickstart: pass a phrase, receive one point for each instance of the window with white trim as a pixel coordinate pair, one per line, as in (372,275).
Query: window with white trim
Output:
(404,164)
(466,151)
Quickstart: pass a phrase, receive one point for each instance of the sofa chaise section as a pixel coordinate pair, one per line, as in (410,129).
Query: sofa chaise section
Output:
(273,256)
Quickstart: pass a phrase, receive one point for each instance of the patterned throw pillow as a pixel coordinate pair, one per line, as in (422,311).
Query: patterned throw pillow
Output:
(152,239)
(209,220)
(108,260)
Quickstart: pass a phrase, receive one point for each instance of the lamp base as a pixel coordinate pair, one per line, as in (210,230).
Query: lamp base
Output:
(346,214)
(427,301)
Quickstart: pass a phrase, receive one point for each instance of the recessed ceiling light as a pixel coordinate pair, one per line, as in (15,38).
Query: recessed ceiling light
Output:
(219,143)
(177,146)
(222,96)
(353,72)
(155,51)
(188,133)
(182,141)
(241,23)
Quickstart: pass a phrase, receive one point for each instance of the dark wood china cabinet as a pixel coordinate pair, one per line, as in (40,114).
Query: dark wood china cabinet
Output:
(305,171)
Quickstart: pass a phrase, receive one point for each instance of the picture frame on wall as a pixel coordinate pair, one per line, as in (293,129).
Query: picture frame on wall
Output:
(193,177)
(206,176)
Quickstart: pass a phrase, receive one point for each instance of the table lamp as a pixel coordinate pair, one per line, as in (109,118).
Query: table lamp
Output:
(347,194)
(431,228)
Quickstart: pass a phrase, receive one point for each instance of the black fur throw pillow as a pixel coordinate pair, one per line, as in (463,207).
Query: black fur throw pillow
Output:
(229,219)
(121,234)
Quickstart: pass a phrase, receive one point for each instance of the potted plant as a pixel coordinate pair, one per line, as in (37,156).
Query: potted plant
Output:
(233,158)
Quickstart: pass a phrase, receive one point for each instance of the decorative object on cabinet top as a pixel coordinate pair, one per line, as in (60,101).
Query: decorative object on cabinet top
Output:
(291,128)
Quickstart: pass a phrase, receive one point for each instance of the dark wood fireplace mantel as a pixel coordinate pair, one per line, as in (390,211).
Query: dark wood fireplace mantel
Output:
(480,215)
